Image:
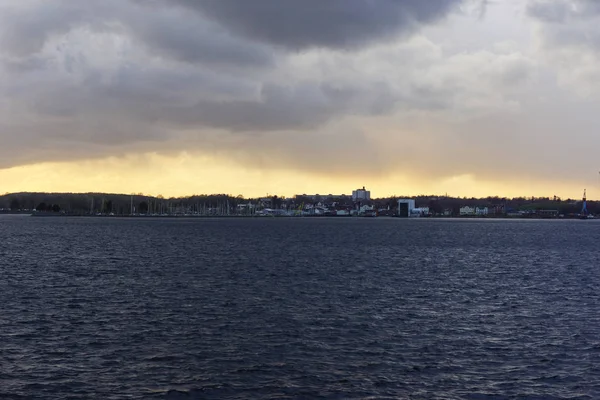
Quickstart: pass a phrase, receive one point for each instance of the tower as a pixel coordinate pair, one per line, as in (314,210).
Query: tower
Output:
(584,210)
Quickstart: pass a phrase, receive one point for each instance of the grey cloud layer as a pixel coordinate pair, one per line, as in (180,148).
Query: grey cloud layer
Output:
(559,11)
(71,64)
(314,23)
(569,37)
(166,31)
(301,81)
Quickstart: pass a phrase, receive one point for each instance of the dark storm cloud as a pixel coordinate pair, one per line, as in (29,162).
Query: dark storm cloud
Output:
(96,78)
(317,23)
(278,108)
(190,38)
(167,31)
(194,37)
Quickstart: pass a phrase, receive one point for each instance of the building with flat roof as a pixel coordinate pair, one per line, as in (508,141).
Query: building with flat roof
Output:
(361,195)
(405,207)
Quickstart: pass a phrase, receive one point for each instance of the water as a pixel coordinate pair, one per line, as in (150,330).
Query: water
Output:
(302,308)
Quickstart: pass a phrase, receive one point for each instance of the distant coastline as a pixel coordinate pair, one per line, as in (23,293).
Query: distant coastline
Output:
(213,217)
(337,206)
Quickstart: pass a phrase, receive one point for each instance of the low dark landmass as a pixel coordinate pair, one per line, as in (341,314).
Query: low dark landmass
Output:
(103,204)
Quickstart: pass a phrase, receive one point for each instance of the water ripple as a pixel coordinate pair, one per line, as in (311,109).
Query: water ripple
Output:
(306,308)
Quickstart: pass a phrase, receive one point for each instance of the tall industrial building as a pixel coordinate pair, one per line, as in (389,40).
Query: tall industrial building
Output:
(361,195)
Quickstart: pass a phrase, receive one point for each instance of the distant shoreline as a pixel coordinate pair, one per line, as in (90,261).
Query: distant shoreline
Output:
(66,215)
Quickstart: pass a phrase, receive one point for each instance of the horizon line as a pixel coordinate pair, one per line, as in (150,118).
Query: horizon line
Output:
(159,196)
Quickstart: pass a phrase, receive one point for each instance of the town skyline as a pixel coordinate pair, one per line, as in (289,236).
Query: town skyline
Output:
(358,204)
(323,195)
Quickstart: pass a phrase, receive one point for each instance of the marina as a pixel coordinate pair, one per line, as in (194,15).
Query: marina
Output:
(359,204)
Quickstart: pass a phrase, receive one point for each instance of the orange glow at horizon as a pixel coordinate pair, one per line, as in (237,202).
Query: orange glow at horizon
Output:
(186,175)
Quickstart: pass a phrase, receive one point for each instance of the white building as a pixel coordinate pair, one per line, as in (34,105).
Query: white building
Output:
(481,211)
(361,195)
(405,207)
(365,209)
(466,210)
(417,212)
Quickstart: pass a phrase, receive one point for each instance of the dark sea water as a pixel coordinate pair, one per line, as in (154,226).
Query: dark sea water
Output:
(299,309)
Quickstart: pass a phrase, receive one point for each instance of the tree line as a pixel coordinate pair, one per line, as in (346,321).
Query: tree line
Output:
(123,204)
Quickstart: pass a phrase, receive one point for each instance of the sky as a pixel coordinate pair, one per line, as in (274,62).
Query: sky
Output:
(405,97)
